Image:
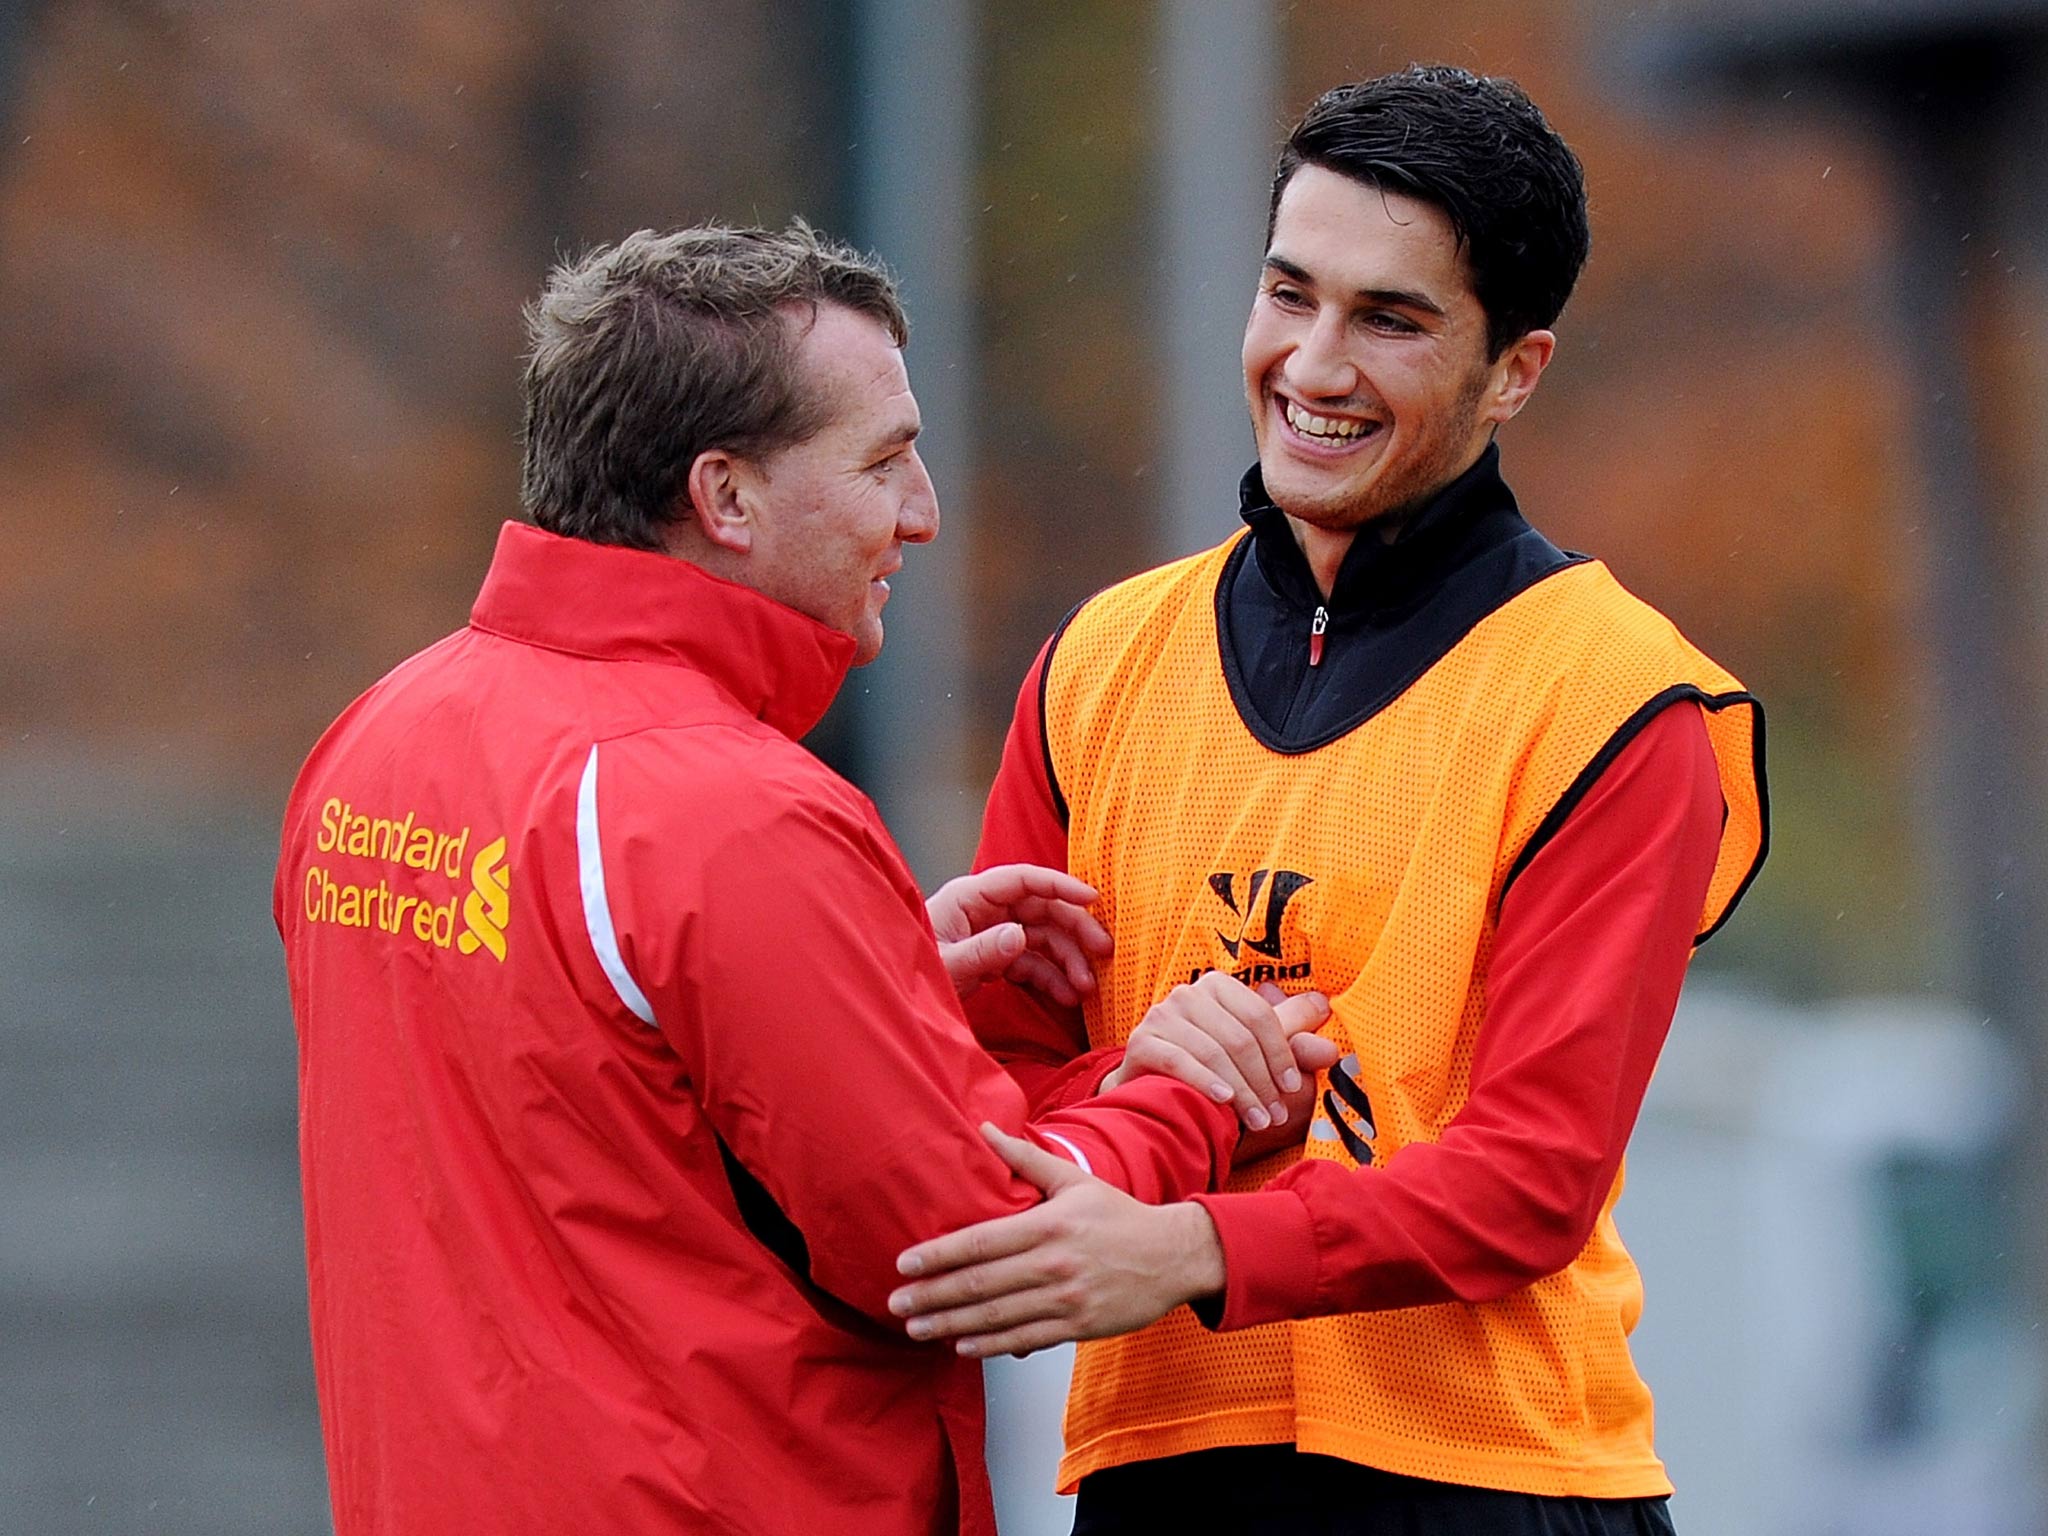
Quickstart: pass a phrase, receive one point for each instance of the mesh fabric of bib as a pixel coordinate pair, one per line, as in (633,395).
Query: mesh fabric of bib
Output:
(1371,868)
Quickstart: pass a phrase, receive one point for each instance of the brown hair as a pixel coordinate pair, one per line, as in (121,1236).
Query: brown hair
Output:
(645,354)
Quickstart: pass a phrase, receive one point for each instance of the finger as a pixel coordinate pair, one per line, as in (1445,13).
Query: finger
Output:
(1158,1056)
(985,955)
(1063,948)
(1050,1172)
(981,1243)
(1069,918)
(947,908)
(1040,1304)
(1270,994)
(1262,1029)
(1008,883)
(1068,936)
(1023,1341)
(1028,1301)
(1312,1053)
(1302,1013)
(1246,1028)
(1042,976)
(1075,966)
(972,1285)
(1184,1025)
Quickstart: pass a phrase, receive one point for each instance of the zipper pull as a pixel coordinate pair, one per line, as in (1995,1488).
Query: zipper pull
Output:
(1316,626)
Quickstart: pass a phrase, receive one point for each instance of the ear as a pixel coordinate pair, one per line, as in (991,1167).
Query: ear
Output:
(717,489)
(1516,373)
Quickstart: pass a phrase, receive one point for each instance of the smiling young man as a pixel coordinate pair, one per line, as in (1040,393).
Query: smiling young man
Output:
(628,1061)
(1392,744)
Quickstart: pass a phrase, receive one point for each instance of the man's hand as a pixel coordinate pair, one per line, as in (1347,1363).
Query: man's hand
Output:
(1256,1048)
(1088,1263)
(1021,922)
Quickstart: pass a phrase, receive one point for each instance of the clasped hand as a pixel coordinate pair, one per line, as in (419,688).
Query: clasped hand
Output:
(1090,1261)
(1256,1049)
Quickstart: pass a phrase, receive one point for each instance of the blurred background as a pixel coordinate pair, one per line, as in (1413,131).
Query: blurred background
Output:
(260,276)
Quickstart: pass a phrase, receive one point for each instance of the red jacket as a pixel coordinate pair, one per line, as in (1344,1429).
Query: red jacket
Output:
(627,1066)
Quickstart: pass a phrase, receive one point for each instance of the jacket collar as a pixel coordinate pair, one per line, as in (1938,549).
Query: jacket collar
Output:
(615,604)
(1470,513)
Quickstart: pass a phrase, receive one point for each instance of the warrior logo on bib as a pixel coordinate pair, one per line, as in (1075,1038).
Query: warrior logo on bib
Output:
(1257,929)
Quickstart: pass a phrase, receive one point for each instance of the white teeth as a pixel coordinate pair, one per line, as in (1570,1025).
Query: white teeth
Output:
(1323,426)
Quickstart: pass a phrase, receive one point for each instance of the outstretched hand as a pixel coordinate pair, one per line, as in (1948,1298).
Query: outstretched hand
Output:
(1088,1263)
(1024,923)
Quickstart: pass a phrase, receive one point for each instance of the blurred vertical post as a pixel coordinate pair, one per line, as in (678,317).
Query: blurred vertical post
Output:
(14,23)
(1955,93)
(1965,153)
(1219,89)
(915,123)
(2018,199)
(1984,732)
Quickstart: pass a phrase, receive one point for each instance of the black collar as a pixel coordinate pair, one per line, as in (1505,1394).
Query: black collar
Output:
(1398,608)
(1472,513)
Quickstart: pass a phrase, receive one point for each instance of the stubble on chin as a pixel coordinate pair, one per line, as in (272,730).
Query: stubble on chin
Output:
(1387,501)
(1382,505)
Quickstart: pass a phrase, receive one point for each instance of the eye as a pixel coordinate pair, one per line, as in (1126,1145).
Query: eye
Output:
(1287,296)
(1387,323)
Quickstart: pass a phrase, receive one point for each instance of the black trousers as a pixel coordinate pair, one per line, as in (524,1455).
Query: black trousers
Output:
(1275,1490)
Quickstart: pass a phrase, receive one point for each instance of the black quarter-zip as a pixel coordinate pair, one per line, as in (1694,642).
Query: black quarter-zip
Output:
(1305,668)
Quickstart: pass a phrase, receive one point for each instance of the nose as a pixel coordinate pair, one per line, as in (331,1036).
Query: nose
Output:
(1319,366)
(917,520)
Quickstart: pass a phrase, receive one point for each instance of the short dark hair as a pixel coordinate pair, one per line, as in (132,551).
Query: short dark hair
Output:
(1479,150)
(644,354)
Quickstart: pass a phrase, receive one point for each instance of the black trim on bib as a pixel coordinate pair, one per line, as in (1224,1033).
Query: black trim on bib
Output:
(1052,778)
(1612,748)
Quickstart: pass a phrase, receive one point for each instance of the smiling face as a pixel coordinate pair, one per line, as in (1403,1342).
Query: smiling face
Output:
(828,517)
(1365,359)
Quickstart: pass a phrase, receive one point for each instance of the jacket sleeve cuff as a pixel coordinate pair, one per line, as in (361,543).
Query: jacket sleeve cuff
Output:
(1078,1081)
(1269,1259)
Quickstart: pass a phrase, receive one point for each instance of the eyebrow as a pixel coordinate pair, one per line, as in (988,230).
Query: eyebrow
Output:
(899,436)
(1393,298)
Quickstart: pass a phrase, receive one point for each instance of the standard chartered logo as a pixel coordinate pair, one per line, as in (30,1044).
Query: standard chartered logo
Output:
(417,854)
(487,906)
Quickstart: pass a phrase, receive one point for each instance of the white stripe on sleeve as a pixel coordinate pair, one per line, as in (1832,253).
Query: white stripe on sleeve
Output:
(1080,1157)
(597,910)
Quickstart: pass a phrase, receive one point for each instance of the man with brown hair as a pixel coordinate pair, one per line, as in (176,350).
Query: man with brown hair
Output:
(628,1060)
